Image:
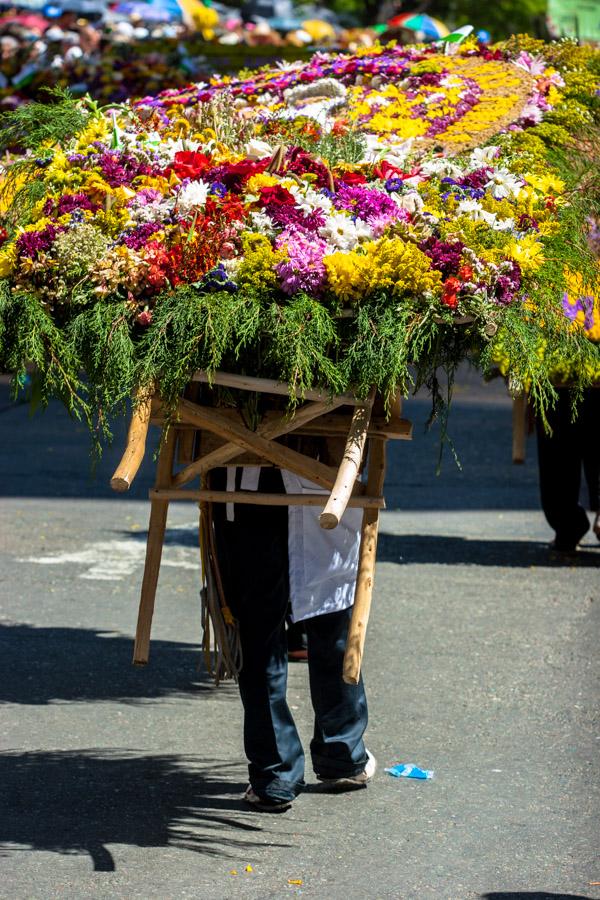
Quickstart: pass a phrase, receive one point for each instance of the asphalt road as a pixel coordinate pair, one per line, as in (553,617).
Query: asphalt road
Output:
(481,664)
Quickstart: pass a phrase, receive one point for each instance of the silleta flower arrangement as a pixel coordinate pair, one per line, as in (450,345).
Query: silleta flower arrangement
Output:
(348,222)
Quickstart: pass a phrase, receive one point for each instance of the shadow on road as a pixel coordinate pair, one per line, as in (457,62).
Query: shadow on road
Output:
(458,551)
(82,801)
(45,665)
(531,895)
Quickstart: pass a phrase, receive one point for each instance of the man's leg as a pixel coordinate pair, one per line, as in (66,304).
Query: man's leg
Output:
(253,559)
(341,715)
(590,439)
(560,459)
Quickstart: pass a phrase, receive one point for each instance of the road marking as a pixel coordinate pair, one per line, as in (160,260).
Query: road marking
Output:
(118,559)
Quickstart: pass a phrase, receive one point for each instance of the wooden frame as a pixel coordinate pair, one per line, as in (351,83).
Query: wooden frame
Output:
(236,444)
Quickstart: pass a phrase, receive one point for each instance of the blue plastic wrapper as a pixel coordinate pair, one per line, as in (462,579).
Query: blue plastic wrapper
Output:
(409,770)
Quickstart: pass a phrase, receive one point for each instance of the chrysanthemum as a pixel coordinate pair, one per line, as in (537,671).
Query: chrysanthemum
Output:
(192,196)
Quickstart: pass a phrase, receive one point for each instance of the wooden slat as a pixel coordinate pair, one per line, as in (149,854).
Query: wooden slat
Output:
(270,429)
(238,434)
(261,499)
(394,428)
(269,386)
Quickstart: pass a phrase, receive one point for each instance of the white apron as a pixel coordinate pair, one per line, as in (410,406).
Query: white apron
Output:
(323,563)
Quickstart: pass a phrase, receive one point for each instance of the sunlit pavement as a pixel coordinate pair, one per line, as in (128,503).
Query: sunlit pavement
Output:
(481,665)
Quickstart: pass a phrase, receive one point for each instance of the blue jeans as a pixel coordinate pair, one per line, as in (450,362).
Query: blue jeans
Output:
(253,558)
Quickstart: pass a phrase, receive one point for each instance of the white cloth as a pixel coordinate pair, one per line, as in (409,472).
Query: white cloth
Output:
(323,562)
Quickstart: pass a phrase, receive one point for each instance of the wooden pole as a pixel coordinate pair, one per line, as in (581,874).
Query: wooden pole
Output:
(156,533)
(260,499)
(366,567)
(270,386)
(135,449)
(349,467)
(519,424)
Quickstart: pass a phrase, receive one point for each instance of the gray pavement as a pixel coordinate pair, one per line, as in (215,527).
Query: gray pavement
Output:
(481,665)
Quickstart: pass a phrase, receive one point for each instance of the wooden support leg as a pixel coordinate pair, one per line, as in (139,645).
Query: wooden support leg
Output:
(366,567)
(519,423)
(156,534)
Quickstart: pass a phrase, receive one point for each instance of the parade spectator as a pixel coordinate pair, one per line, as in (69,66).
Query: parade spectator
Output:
(572,446)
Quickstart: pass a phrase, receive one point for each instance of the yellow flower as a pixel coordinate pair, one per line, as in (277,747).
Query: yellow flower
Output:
(257,182)
(97,129)
(546,184)
(96,187)
(8,260)
(527,252)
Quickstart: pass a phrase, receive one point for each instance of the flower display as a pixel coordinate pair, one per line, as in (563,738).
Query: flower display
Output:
(325,223)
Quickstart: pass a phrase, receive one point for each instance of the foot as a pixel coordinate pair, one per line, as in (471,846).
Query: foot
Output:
(298,655)
(265,804)
(596,526)
(568,545)
(351,782)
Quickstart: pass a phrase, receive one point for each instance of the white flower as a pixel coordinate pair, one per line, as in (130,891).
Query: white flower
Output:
(340,231)
(192,196)
(411,201)
(443,168)
(307,199)
(155,211)
(504,184)
(231,266)
(261,223)
(364,232)
(483,156)
(504,225)
(532,113)
(470,208)
(256,149)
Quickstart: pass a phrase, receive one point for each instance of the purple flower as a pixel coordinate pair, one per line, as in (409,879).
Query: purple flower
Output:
(145,196)
(582,304)
(367,203)
(507,284)
(304,269)
(30,243)
(290,218)
(68,203)
(477,179)
(138,237)
(218,188)
(444,255)
(120,168)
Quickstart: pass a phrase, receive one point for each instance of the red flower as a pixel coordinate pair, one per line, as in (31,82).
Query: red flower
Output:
(144,318)
(190,164)
(386,170)
(353,178)
(235,175)
(3,235)
(276,196)
(465,273)
(450,292)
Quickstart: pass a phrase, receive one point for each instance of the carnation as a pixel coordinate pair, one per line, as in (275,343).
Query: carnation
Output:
(192,196)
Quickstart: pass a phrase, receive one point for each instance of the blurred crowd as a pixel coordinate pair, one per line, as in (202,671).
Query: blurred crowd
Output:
(138,47)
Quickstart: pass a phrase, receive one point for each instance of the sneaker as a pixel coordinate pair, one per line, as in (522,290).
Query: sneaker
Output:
(351,782)
(265,804)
